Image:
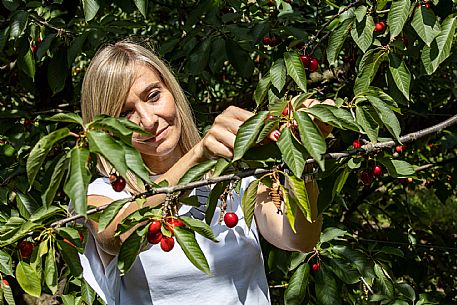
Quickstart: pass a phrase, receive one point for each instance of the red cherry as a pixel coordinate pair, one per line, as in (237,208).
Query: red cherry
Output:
(154,227)
(400,148)
(266,41)
(270,3)
(119,184)
(167,243)
(5,282)
(379,26)
(230,219)
(305,59)
(33,47)
(313,65)
(315,267)
(154,238)
(25,248)
(174,222)
(81,236)
(377,171)
(366,177)
(428,5)
(356,144)
(285,112)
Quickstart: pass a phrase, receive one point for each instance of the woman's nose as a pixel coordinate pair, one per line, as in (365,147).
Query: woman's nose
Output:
(146,115)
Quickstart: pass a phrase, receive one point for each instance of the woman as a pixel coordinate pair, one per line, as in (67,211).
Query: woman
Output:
(126,79)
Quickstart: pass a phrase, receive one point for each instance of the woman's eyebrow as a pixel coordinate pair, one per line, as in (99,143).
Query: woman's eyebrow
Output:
(148,88)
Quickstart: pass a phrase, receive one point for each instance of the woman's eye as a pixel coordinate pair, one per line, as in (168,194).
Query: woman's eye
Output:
(154,96)
(126,113)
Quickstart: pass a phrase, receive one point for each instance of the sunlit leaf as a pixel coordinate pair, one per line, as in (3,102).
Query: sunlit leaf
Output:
(197,171)
(311,137)
(28,279)
(298,190)
(425,24)
(293,154)
(336,41)
(278,74)
(295,69)
(398,14)
(249,201)
(247,134)
(190,247)
(130,249)
(298,284)
(362,33)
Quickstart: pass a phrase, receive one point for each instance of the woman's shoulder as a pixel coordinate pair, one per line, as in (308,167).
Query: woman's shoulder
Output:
(102,187)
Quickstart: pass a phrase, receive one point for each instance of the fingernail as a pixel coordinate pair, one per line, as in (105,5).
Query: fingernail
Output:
(276,135)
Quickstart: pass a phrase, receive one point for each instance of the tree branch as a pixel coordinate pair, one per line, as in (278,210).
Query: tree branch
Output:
(367,148)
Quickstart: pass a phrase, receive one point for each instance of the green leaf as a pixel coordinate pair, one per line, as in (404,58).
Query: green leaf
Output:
(397,168)
(88,294)
(44,46)
(239,58)
(110,212)
(406,290)
(266,130)
(41,149)
(190,247)
(341,181)
(50,271)
(440,48)
(311,137)
(425,24)
(142,6)
(197,171)
(28,279)
(368,124)
(295,69)
(212,200)
(90,9)
(66,117)
(398,14)
(135,163)
(290,207)
(102,143)
(11,5)
(385,283)
(26,204)
(400,74)
(6,265)
(78,179)
(18,23)
(199,226)
(387,116)
(293,154)
(57,71)
(278,74)
(345,271)
(336,41)
(357,258)
(298,284)
(332,233)
(261,89)
(327,292)
(362,33)
(249,201)
(75,47)
(298,190)
(218,54)
(130,249)
(368,68)
(56,178)
(247,134)
(25,58)
(337,117)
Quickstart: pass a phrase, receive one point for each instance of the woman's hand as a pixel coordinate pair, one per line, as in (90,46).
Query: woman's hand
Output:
(220,138)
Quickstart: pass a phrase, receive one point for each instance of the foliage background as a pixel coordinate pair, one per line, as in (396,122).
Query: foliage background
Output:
(216,50)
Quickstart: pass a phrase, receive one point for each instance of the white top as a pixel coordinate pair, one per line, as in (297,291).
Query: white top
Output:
(160,278)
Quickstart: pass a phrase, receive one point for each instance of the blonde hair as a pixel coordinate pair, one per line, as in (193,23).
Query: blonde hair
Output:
(106,85)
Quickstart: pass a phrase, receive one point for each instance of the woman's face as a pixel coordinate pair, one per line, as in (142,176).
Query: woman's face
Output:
(152,106)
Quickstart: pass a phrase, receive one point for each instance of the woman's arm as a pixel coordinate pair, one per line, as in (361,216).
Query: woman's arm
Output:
(275,227)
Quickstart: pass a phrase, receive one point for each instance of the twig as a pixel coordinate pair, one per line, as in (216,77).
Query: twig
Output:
(47,24)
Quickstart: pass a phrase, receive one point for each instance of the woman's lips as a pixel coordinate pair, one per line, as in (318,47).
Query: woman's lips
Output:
(157,137)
